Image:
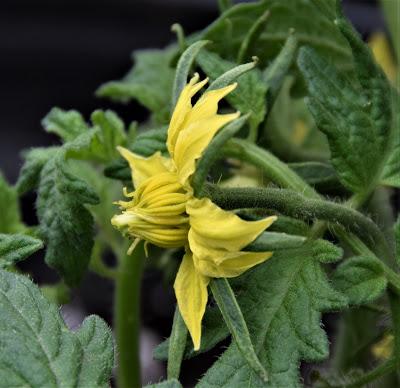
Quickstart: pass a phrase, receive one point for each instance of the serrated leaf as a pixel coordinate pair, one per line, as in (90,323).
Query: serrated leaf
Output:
(312,27)
(65,223)
(34,338)
(172,383)
(248,97)
(10,220)
(356,122)
(361,279)
(66,124)
(391,169)
(29,175)
(99,142)
(17,247)
(282,301)
(149,82)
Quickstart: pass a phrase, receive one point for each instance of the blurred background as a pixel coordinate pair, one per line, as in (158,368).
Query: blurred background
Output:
(56,53)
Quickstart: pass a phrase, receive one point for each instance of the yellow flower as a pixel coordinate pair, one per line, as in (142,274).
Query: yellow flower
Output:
(163,211)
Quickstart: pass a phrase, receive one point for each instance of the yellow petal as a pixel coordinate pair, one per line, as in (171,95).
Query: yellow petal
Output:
(144,168)
(193,140)
(229,264)
(191,294)
(219,229)
(182,108)
(207,105)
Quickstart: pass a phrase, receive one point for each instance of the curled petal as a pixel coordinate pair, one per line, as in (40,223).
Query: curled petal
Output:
(191,293)
(215,228)
(143,168)
(223,264)
(182,108)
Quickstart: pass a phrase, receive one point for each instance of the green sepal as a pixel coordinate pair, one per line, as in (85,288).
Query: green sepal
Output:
(233,317)
(183,68)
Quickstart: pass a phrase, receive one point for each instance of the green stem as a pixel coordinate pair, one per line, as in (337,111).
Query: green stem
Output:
(381,370)
(224,5)
(296,205)
(127,312)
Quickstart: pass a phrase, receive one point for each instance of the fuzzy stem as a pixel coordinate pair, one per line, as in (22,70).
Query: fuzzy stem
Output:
(127,312)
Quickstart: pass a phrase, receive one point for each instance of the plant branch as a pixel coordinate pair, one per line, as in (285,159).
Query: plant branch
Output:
(127,312)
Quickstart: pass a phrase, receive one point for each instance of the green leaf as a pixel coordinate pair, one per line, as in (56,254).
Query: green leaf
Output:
(183,68)
(321,175)
(391,169)
(65,223)
(29,175)
(17,247)
(112,133)
(66,124)
(248,97)
(145,144)
(312,27)
(361,279)
(172,383)
(34,338)
(149,82)
(10,220)
(356,122)
(99,142)
(281,301)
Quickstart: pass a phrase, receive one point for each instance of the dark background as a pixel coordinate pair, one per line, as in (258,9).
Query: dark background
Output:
(56,53)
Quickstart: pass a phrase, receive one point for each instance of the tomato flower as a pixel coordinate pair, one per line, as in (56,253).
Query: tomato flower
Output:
(163,210)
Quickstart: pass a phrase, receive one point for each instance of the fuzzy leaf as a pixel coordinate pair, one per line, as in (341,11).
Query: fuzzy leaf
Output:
(171,383)
(29,175)
(17,247)
(145,144)
(66,124)
(248,97)
(356,122)
(65,223)
(149,82)
(361,279)
(37,348)
(281,301)
(391,170)
(312,27)
(10,219)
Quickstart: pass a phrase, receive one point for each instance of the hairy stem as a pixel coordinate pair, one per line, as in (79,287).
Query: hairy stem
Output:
(127,312)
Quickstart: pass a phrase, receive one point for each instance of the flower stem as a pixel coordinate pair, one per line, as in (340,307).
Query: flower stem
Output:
(127,312)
